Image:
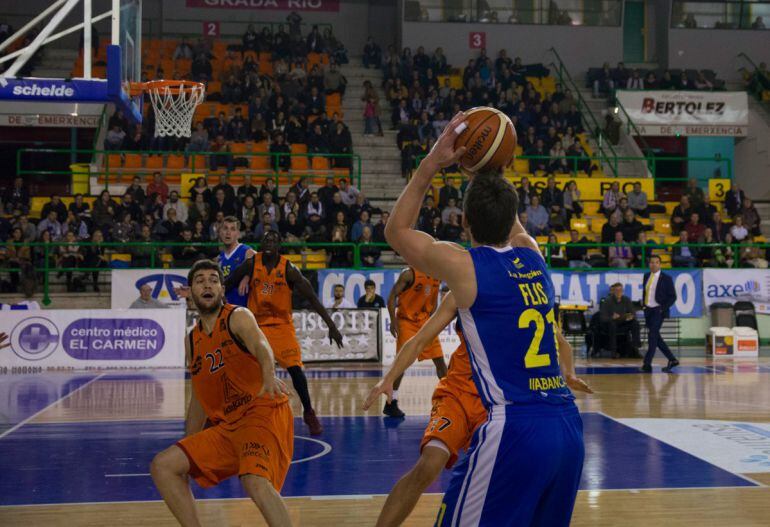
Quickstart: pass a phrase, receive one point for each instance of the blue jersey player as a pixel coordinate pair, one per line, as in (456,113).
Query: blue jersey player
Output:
(232,255)
(524,463)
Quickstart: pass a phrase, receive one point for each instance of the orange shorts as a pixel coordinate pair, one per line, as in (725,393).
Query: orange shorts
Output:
(454,417)
(260,443)
(408,329)
(283,341)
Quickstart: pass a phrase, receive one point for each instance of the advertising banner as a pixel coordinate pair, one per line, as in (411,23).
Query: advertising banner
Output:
(591,188)
(126,284)
(54,90)
(360,335)
(448,338)
(732,285)
(267,5)
(353,281)
(591,287)
(94,339)
(688,113)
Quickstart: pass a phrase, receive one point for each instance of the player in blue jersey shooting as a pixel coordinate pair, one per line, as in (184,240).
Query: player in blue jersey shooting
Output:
(525,461)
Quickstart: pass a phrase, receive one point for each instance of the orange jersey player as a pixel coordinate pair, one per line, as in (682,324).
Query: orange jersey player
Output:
(457,410)
(234,386)
(272,279)
(411,302)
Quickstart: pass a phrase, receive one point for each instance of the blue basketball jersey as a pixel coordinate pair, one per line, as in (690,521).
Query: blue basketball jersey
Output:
(509,329)
(229,263)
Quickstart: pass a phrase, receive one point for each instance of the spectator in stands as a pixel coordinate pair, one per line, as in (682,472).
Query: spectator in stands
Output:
(267,224)
(651,81)
(379,230)
(188,254)
(738,231)
(758,23)
(17,197)
(51,224)
(314,207)
(336,207)
(136,140)
(222,155)
(524,221)
(291,204)
(28,230)
(694,228)
(231,90)
(734,200)
(707,251)
(723,254)
(450,208)
(695,194)
(269,207)
(199,233)
(158,186)
(358,227)
(752,256)
(681,215)
(603,81)
(224,185)
(553,201)
(635,81)
(326,192)
(618,317)
(127,206)
(448,191)
(123,231)
(277,148)
(682,255)
(620,254)
(751,218)
(706,210)
(370,255)
(428,213)
(609,230)
(170,228)
(334,81)
(114,138)
(669,82)
(718,227)
(142,255)
(70,256)
(557,257)
(538,218)
(175,203)
(611,199)
(146,301)
(573,206)
(77,225)
(292,230)
(248,213)
(317,142)
(340,142)
(538,156)
(372,54)
(247,189)
(301,190)
(370,299)
(451,229)
(222,204)
(642,254)
(251,39)
(526,193)
(315,230)
(201,69)
(55,205)
(577,257)
(183,50)
(348,192)
(630,226)
(637,201)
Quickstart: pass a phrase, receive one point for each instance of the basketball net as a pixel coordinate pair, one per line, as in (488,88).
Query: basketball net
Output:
(174,103)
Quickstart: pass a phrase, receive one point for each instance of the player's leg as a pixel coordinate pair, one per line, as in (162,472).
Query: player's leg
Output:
(169,470)
(267,499)
(406,330)
(407,491)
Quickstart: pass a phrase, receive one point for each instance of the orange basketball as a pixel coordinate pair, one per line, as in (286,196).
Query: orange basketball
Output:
(490,139)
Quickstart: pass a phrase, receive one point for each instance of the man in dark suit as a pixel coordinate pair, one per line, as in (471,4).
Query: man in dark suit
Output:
(734,199)
(659,296)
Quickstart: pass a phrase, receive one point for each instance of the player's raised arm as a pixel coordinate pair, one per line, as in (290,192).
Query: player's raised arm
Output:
(405,280)
(441,260)
(244,327)
(239,273)
(195,419)
(297,281)
(411,350)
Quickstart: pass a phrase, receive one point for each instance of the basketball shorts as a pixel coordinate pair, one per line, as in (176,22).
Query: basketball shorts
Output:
(408,329)
(283,341)
(454,417)
(260,443)
(523,468)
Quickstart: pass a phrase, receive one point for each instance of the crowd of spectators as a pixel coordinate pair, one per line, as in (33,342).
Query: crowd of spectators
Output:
(606,80)
(547,125)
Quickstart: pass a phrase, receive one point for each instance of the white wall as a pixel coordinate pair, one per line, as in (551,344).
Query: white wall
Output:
(717,49)
(579,47)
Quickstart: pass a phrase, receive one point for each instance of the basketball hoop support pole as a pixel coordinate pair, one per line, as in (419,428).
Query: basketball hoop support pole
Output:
(53,7)
(87,39)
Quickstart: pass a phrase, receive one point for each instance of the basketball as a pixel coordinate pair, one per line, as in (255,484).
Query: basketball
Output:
(490,139)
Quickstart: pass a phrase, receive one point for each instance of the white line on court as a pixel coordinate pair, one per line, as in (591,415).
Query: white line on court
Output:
(57,401)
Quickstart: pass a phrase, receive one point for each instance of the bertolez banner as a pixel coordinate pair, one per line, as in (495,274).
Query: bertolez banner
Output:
(360,335)
(687,113)
(267,5)
(733,285)
(94,339)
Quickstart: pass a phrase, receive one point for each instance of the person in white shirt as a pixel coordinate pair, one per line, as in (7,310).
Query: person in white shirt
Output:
(339,301)
(348,192)
(738,230)
(659,296)
(178,205)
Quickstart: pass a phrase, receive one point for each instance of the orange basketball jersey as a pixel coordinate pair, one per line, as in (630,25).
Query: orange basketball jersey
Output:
(225,376)
(459,374)
(418,302)
(270,294)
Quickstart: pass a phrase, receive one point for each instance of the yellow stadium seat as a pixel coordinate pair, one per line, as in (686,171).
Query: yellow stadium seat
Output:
(670,239)
(579,224)
(670,206)
(591,207)
(597,224)
(120,257)
(644,221)
(662,226)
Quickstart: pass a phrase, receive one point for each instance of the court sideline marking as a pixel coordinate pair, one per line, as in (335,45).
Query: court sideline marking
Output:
(57,401)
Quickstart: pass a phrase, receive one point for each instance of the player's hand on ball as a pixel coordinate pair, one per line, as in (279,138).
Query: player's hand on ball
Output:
(577,384)
(272,387)
(243,287)
(382,387)
(335,336)
(4,341)
(443,153)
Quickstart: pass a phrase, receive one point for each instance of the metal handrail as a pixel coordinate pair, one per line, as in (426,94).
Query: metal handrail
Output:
(630,124)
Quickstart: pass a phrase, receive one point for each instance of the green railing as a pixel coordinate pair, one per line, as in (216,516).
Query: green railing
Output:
(44,255)
(590,122)
(194,163)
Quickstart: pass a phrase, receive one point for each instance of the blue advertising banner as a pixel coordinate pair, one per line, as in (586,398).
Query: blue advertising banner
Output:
(593,286)
(569,285)
(54,90)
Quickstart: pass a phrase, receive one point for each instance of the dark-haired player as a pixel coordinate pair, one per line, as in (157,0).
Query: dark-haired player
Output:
(234,386)
(525,461)
(272,278)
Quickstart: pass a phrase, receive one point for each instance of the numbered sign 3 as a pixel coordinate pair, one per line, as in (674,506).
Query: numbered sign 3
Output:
(211,29)
(477,39)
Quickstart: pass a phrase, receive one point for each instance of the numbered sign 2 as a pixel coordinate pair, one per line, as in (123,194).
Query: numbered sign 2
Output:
(211,29)
(477,39)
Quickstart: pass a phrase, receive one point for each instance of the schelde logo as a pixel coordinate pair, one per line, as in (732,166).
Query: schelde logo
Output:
(113,339)
(34,338)
(36,90)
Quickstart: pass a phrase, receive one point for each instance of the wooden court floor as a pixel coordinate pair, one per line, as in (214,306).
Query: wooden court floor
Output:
(661,449)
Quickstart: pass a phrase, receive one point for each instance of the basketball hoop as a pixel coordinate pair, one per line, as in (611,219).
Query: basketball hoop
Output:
(174,103)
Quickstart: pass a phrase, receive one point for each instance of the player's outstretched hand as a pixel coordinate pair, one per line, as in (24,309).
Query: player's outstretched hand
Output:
(273,387)
(382,387)
(577,384)
(243,287)
(4,341)
(335,336)
(443,153)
